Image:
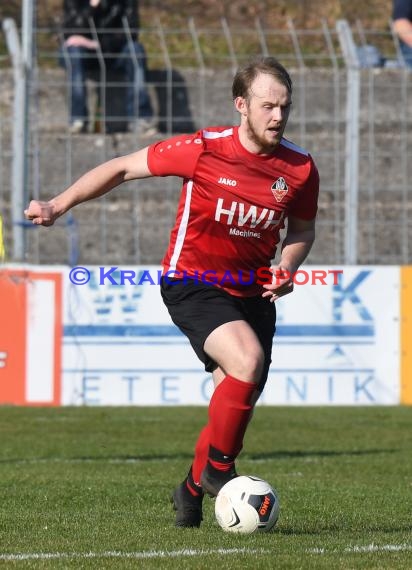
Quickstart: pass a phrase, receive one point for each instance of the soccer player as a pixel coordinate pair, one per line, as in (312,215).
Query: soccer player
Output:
(240,184)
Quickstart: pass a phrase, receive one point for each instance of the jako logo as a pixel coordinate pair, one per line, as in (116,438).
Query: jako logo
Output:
(3,356)
(227,181)
(264,506)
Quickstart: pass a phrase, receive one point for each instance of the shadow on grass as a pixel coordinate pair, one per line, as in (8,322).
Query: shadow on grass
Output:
(275,455)
(313,453)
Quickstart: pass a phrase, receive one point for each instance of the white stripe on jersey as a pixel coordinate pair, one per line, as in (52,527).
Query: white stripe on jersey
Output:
(294,146)
(217,135)
(181,233)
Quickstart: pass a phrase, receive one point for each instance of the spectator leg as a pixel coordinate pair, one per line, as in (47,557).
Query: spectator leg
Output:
(75,65)
(138,103)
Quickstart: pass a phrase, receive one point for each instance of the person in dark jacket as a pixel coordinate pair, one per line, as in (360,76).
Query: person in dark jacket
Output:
(108,30)
(402,25)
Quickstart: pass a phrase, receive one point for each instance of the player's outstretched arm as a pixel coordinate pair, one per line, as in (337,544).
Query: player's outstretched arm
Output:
(93,184)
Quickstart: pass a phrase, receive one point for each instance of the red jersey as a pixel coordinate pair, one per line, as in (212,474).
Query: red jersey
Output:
(232,206)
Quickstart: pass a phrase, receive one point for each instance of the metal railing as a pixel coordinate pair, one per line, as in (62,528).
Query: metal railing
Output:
(354,118)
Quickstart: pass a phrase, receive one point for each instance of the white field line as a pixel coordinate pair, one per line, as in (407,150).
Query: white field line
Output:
(380,548)
(135,555)
(355,549)
(363,548)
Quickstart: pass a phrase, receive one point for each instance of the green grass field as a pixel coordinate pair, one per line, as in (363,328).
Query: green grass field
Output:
(89,488)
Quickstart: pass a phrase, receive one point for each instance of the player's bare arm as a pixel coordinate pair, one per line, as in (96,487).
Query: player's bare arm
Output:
(295,248)
(94,183)
(297,243)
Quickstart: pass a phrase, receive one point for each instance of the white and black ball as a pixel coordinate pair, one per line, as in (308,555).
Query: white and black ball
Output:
(247,504)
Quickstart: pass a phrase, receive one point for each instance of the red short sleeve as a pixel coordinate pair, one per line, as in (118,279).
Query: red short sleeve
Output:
(306,204)
(176,156)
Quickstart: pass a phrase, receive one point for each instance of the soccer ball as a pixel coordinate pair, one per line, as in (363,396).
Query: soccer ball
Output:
(247,504)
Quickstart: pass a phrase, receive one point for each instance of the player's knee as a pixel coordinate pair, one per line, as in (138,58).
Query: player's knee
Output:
(250,365)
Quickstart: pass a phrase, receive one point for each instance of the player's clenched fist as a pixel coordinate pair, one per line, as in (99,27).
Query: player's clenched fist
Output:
(41,213)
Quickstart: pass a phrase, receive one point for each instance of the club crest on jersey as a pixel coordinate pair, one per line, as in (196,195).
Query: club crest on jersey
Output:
(279,189)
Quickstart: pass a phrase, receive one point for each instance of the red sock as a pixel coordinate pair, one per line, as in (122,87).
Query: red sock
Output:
(201,452)
(194,488)
(229,412)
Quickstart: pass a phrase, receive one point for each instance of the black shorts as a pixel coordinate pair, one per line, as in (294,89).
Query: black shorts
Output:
(198,309)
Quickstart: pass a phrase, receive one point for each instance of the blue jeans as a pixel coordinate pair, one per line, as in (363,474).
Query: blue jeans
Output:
(134,64)
(406,52)
(78,61)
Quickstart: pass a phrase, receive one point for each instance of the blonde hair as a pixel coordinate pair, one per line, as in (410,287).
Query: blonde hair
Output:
(263,64)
